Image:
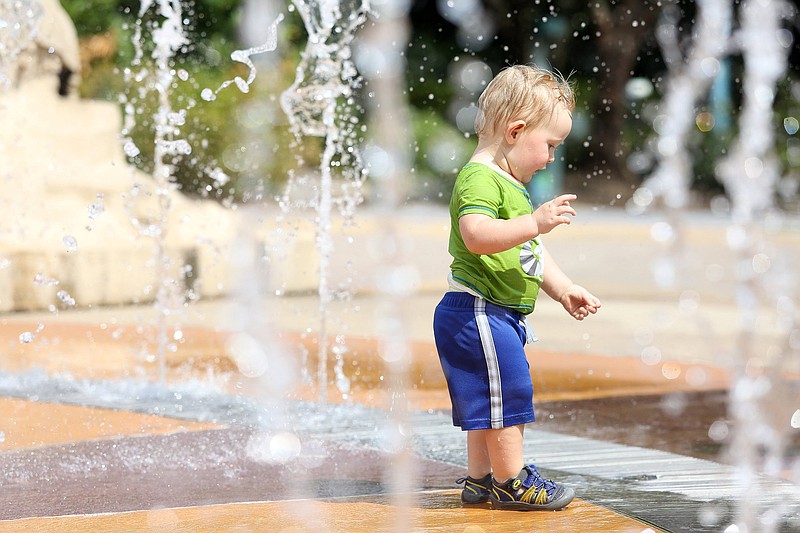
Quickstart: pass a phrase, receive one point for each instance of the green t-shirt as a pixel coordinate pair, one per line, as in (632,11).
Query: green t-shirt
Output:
(510,278)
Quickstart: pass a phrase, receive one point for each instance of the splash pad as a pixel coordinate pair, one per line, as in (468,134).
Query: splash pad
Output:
(234,446)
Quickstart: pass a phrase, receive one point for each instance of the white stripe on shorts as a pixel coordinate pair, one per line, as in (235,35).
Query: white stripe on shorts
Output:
(492,366)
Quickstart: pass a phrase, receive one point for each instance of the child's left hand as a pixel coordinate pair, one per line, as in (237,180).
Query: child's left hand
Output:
(579,302)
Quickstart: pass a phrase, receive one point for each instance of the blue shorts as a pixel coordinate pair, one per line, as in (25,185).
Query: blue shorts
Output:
(482,350)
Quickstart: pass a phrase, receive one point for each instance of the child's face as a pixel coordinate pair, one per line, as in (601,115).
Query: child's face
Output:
(534,148)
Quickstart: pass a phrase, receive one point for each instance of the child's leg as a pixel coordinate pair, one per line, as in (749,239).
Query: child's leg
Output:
(478,462)
(504,447)
(498,451)
(518,486)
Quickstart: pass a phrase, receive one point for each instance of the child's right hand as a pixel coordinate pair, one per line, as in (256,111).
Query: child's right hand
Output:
(579,302)
(553,213)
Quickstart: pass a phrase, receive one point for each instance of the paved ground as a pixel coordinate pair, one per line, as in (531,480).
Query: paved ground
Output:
(631,406)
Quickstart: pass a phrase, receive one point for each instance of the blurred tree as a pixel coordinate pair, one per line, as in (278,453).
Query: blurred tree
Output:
(601,44)
(622,28)
(92,16)
(220,156)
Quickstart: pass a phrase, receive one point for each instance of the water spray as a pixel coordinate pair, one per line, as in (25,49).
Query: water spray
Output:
(317,104)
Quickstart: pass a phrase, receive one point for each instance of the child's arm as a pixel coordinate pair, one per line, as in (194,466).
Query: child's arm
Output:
(486,235)
(577,301)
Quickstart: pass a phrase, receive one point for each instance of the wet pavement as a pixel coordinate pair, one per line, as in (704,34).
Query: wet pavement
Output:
(90,442)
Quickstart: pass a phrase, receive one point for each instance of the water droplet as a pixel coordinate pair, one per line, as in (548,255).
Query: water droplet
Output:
(465,118)
(671,371)
(219,176)
(662,232)
(761,263)
(70,242)
(177,118)
(241,84)
(179,147)
(342,383)
(711,513)
(26,337)
(674,404)
(40,280)
(710,66)
(95,210)
(651,355)
(183,147)
(643,197)
(66,298)
(130,149)
(696,376)
(791,125)
(638,88)
(795,422)
(208,95)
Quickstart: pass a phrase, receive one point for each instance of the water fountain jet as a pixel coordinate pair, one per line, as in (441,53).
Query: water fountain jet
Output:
(758,399)
(319,104)
(749,174)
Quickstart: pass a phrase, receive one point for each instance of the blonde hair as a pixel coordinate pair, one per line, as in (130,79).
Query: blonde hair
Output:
(522,92)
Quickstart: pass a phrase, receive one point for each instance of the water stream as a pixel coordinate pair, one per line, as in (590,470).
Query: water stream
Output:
(160,33)
(759,406)
(19,22)
(321,103)
(165,33)
(750,174)
(380,58)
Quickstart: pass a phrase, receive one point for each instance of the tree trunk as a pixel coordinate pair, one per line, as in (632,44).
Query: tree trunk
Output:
(622,31)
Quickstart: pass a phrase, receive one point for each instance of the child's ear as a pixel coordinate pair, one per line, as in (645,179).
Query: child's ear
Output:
(514,130)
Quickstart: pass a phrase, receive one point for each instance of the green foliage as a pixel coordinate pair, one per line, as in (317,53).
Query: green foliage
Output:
(91,17)
(428,63)
(259,153)
(240,142)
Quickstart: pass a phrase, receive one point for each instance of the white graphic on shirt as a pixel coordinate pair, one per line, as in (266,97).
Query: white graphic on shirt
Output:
(530,259)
